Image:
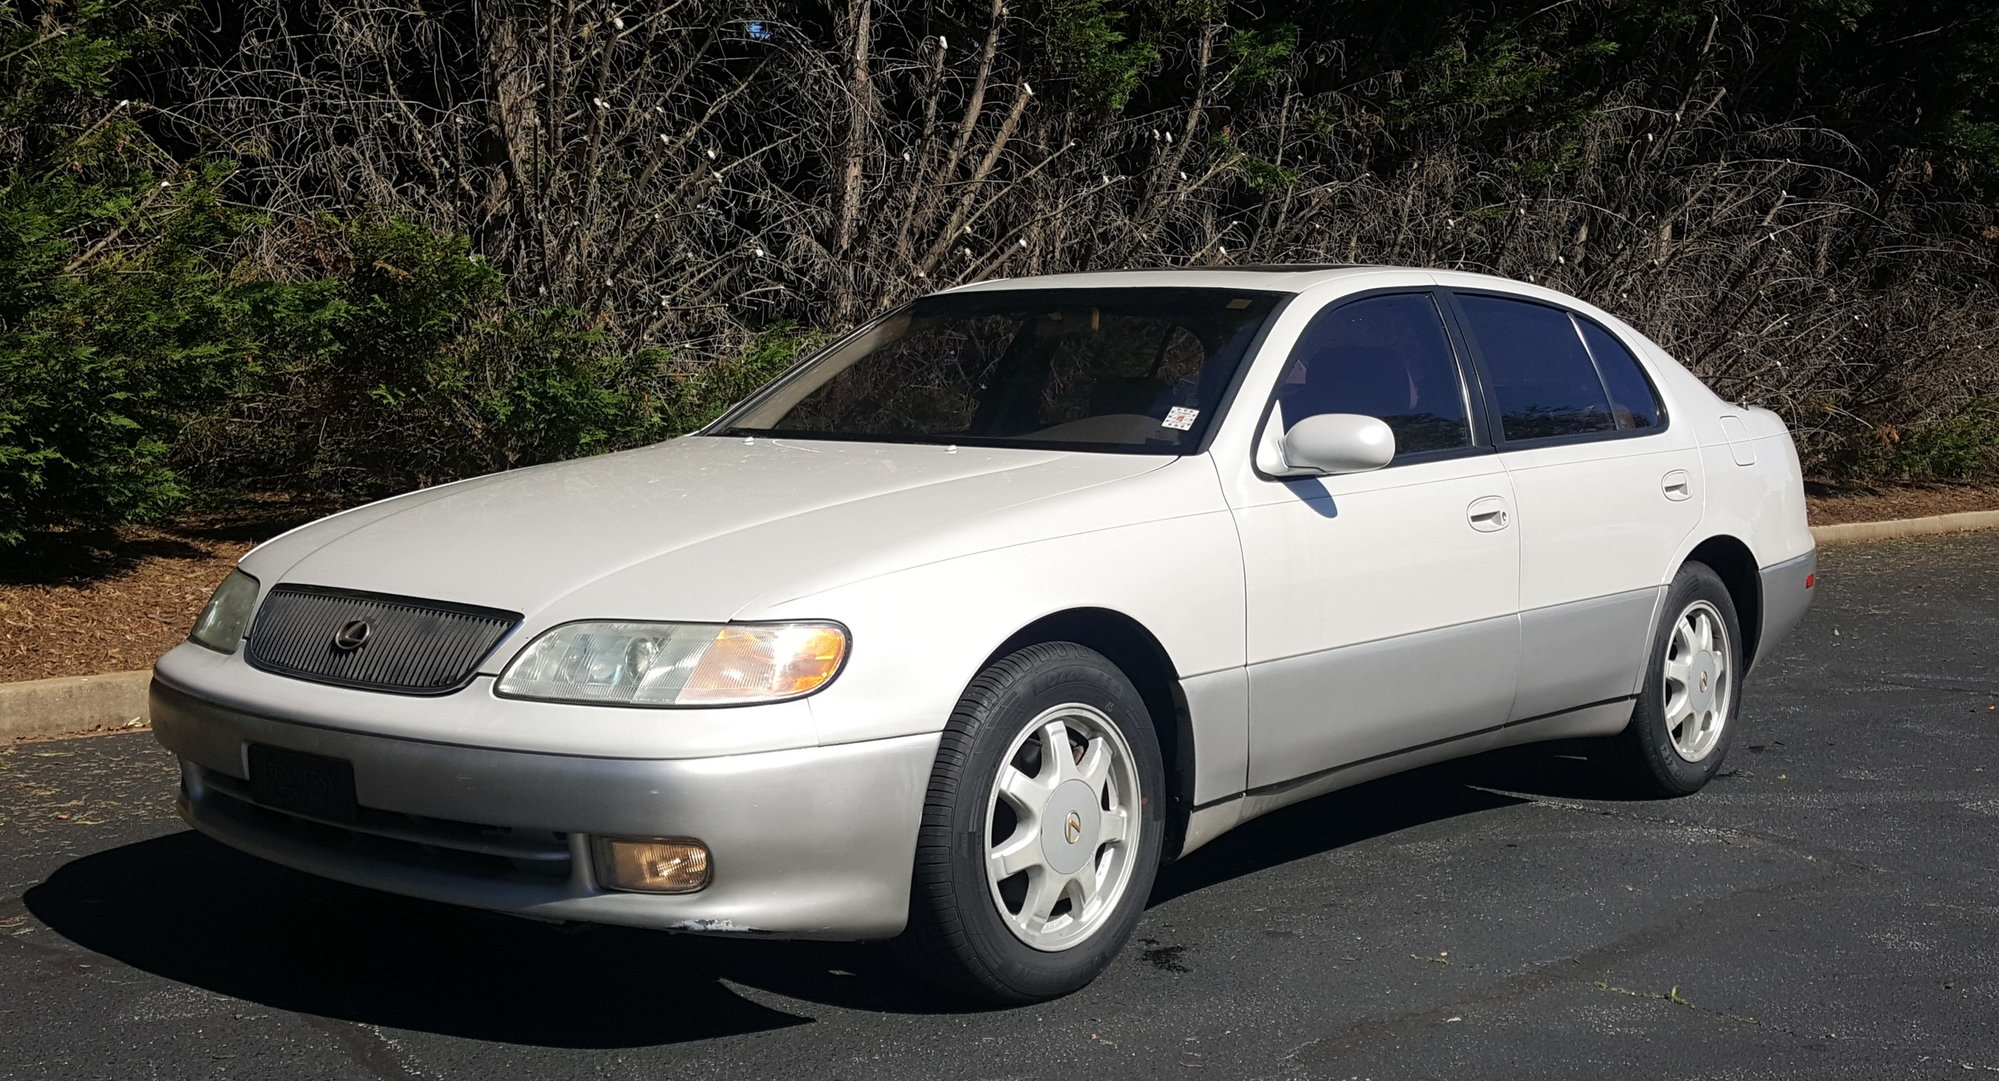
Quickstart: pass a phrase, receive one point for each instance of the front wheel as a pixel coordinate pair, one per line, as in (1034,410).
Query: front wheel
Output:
(1041,831)
(1685,717)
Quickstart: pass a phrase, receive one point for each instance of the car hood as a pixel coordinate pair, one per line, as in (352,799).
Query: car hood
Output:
(698,528)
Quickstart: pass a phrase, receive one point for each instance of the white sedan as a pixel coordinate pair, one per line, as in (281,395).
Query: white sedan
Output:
(958,629)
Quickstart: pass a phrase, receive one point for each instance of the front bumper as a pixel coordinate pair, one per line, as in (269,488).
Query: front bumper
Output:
(810,843)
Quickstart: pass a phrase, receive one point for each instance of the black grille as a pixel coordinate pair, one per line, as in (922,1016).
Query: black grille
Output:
(408,646)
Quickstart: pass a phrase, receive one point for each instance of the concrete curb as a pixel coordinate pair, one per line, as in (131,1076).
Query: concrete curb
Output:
(1852,532)
(73,705)
(80,705)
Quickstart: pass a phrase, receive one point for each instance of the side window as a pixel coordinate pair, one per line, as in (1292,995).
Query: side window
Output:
(1632,399)
(1542,377)
(1386,357)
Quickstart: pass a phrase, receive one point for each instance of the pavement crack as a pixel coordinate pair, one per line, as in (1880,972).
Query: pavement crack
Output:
(1812,854)
(1673,996)
(367,1047)
(1294,1052)
(1946,688)
(1569,973)
(40,951)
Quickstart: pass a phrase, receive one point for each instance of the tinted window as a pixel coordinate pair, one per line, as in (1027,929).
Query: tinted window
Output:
(1387,357)
(1542,378)
(1631,397)
(1140,370)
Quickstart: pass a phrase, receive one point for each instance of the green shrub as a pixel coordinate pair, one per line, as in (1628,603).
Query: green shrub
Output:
(1962,446)
(693,396)
(537,387)
(401,364)
(114,313)
(1089,43)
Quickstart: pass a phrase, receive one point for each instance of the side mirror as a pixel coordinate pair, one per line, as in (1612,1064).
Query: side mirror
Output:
(1338,443)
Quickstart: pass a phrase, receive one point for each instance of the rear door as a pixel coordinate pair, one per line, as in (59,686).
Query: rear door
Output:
(1605,494)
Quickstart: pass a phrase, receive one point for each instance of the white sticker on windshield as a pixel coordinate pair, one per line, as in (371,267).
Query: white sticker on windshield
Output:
(1180,417)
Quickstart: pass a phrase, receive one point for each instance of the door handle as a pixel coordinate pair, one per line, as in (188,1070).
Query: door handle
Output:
(1488,515)
(1677,485)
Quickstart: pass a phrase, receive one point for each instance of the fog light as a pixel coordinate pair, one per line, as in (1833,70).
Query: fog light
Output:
(646,865)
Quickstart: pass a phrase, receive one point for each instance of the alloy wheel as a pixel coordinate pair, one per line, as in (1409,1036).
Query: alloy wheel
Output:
(1062,827)
(1698,683)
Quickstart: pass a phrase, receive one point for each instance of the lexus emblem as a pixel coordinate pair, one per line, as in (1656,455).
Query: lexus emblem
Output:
(352,636)
(1072,828)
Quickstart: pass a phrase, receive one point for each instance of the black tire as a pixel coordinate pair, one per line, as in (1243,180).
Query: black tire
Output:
(1654,765)
(959,935)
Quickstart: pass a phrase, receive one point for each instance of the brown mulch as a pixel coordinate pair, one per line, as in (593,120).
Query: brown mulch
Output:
(85,604)
(1831,504)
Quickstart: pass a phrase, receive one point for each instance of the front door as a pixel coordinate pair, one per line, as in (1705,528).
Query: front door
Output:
(1381,606)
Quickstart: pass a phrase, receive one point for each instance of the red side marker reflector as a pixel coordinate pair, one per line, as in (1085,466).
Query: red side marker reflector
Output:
(1811,580)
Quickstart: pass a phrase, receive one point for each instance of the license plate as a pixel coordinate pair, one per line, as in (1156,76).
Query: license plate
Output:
(304,784)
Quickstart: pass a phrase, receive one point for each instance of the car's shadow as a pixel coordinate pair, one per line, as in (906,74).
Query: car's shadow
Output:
(1447,790)
(193,911)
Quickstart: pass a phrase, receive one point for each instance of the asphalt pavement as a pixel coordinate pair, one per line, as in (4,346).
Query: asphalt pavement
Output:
(1827,908)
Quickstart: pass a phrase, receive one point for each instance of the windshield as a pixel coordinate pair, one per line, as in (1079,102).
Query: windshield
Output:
(1129,370)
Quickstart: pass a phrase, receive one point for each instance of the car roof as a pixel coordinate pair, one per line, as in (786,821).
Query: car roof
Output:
(1275,277)
(1298,277)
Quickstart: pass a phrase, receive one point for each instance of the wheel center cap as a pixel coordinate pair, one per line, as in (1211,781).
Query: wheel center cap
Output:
(1069,827)
(1701,681)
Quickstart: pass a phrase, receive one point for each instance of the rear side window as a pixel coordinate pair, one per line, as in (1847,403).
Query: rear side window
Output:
(1632,400)
(1542,378)
(1384,356)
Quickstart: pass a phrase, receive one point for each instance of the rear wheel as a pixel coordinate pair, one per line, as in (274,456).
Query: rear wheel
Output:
(1684,721)
(1041,831)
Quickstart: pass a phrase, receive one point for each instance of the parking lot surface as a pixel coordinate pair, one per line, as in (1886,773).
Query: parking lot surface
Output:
(1827,908)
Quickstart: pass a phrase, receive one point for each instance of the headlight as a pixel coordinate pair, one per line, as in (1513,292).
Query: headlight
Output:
(676,664)
(227,616)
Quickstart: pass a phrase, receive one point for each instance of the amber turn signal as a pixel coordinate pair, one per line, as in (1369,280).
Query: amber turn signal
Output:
(644,865)
(761,662)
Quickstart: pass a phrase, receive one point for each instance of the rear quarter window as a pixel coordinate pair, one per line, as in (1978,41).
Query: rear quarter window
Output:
(1632,400)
